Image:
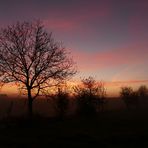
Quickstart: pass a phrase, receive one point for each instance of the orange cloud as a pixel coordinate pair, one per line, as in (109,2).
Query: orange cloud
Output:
(113,65)
(119,83)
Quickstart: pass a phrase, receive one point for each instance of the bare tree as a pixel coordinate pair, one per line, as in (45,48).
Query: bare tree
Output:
(143,95)
(143,91)
(90,95)
(130,97)
(31,58)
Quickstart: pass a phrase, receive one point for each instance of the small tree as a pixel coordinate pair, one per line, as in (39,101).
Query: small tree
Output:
(60,99)
(143,95)
(31,58)
(90,95)
(130,97)
(143,91)
(61,102)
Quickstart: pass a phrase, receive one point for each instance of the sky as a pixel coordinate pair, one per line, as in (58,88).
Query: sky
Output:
(108,39)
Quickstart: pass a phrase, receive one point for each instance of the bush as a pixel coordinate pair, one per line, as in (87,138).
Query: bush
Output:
(90,96)
(130,97)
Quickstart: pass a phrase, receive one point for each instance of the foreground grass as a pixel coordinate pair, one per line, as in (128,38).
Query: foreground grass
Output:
(108,129)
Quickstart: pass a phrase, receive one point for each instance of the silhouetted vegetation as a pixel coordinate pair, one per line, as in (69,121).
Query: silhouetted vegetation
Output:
(60,102)
(135,98)
(143,96)
(130,97)
(30,57)
(90,96)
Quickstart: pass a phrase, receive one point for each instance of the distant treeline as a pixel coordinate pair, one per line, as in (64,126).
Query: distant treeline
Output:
(88,98)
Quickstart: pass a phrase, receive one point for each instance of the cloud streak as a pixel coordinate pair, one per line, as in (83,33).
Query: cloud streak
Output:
(115,57)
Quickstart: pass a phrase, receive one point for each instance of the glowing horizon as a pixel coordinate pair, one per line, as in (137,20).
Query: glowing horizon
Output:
(112,87)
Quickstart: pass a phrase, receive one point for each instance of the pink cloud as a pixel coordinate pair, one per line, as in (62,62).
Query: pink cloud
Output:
(128,56)
(60,24)
(82,57)
(76,17)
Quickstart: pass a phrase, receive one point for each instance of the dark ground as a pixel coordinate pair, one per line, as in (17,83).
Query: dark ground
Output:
(111,129)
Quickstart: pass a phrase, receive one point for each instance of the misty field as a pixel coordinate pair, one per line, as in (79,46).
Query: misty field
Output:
(115,127)
(46,108)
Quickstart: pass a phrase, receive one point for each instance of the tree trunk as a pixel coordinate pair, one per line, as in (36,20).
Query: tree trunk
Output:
(30,104)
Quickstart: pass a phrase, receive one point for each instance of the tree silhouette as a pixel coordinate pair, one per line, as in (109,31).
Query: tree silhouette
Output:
(130,97)
(61,102)
(143,95)
(31,58)
(90,95)
(143,91)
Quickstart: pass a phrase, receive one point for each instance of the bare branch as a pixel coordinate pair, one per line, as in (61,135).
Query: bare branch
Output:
(30,57)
